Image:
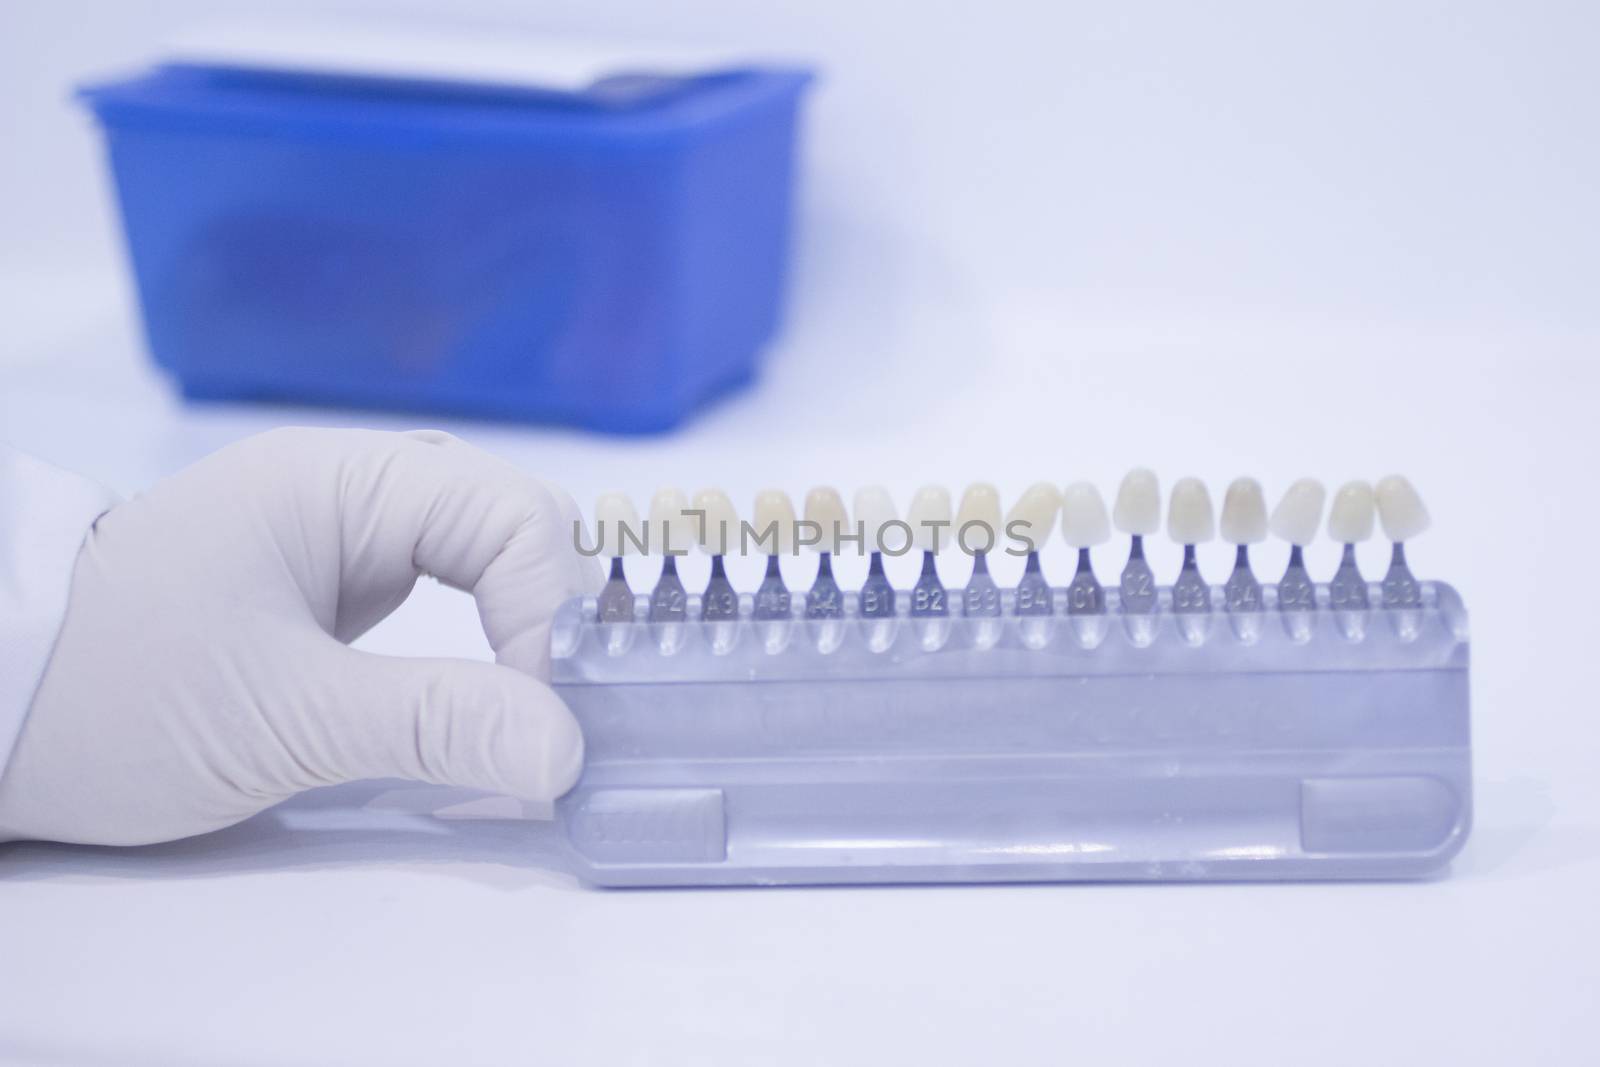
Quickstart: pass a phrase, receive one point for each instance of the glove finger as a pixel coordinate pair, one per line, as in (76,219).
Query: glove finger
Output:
(592,575)
(410,503)
(445,721)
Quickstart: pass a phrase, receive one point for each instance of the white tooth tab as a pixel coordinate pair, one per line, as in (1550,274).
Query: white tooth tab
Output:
(1400,509)
(979,516)
(717,522)
(930,518)
(825,507)
(1138,506)
(614,513)
(1244,513)
(1084,522)
(774,523)
(1033,515)
(1351,518)
(671,531)
(875,510)
(1299,513)
(1190,520)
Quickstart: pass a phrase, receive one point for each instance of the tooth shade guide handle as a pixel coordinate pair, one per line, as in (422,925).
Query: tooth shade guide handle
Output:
(615,602)
(1242,593)
(1138,583)
(928,596)
(1296,591)
(1033,593)
(1401,590)
(825,599)
(720,601)
(1190,593)
(877,595)
(981,597)
(1085,594)
(1347,591)
(669,602)
(772,596)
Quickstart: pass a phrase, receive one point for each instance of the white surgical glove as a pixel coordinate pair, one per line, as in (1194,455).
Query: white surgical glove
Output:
(202,671)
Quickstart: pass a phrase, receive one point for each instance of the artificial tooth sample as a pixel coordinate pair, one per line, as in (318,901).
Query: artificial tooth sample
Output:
(1350,522)
(1295,520)
(1190,522)
(1403,516)
(875,512)
(825,510)
(1084,524)
(930,519)
(619,533)
(1029,523)
(1137,513)
(977,531)
(718,529)
(774,522)
(671,533)
(1244,523)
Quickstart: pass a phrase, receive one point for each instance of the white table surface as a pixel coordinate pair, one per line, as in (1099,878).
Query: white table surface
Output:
(351,926)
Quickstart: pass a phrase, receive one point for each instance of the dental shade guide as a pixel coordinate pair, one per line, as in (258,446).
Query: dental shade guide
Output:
(1350,522)
(1244,523)
(1321,734)
(1296,520)
(977,532)
(775,526)
(1084,524)
(1403,516)
(1190,522)
(825,511)
(1137,513)
(875,512)
(719,532)
(930,518)
(615,518)
(671,535)
(1031,520)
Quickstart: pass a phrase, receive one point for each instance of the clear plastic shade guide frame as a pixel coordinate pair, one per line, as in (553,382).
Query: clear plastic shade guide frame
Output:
(1167,746)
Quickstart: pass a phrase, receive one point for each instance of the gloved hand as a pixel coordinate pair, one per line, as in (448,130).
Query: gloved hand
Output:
(202,674)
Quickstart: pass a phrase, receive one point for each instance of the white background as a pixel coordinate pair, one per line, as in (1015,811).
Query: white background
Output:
(1038,241)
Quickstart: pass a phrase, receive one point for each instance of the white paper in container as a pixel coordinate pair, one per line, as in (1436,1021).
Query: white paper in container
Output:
(516,59)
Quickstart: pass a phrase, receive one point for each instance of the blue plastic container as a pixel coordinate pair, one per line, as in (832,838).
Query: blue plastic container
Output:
(613,259)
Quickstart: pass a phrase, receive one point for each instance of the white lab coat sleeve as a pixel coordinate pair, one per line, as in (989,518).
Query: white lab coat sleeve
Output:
(45,513)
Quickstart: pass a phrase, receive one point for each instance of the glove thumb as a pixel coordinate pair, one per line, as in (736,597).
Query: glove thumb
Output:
(447,721)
